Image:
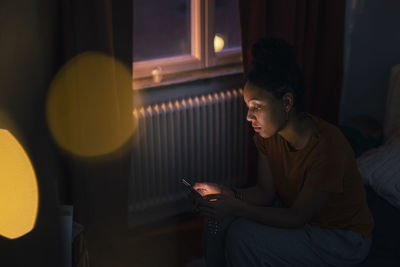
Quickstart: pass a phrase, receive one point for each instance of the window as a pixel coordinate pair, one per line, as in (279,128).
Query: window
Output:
(184,39)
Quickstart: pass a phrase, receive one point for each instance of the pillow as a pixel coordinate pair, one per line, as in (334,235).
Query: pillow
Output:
(380,169)
(392,113)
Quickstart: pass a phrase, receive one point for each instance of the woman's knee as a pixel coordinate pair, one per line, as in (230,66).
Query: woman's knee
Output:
(241,244)
(252,244)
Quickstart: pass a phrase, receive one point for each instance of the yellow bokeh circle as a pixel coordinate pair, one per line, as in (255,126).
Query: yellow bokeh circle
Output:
(19,195)
(89,105)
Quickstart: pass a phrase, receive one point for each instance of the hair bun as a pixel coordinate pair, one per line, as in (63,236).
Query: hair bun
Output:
(273,55)
(274,69)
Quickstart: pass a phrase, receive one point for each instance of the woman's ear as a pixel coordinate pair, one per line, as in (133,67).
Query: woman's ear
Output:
(288,101)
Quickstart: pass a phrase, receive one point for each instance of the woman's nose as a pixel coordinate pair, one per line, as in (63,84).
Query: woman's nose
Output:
(250,116)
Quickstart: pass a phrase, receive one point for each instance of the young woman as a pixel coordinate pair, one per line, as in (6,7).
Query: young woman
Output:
(309,206)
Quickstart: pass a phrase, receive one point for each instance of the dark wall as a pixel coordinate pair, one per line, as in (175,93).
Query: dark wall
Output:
(29,58)
(371,50)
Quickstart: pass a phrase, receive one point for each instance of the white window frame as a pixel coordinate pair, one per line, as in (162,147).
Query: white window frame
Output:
(202,62)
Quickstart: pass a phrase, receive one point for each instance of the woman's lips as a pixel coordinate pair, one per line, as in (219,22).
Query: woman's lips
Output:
(256,129)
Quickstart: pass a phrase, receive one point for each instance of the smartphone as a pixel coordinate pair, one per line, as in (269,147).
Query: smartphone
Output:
(189,186)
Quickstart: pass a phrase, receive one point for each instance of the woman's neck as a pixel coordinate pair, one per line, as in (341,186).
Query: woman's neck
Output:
(297,130)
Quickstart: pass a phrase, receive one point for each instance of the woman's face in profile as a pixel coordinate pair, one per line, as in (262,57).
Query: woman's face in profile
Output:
(266,113)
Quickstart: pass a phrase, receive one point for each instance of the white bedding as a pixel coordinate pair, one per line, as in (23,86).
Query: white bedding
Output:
(380,167)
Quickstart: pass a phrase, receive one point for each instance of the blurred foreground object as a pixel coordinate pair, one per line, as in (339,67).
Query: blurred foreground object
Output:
(89,106)
(19,197)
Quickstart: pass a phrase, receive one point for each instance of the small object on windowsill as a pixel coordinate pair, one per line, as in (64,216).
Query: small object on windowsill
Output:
(157,75)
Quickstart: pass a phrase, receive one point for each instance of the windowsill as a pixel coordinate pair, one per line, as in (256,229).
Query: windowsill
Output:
(182,77)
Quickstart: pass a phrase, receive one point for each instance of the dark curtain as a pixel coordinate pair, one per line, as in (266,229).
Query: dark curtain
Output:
(316,29)
(102,26)
(98,188)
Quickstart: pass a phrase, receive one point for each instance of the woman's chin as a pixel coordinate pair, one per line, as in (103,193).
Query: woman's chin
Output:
(264,135)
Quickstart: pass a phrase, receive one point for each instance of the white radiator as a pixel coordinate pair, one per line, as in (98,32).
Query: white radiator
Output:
(201,138)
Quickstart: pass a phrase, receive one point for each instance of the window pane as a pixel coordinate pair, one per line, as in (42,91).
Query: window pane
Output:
(160,28)
(227,29)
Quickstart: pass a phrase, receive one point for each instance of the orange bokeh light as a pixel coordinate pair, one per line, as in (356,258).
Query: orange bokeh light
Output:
(19,196)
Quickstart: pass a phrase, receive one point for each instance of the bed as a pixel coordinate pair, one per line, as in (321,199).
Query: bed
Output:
(380,170)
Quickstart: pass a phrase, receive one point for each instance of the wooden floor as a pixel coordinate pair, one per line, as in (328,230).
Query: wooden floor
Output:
(174,242)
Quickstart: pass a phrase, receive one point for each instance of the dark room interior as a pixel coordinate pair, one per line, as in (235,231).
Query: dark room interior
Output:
(114,102)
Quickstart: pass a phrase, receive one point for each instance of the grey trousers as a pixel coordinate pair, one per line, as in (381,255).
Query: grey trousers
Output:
(244,243)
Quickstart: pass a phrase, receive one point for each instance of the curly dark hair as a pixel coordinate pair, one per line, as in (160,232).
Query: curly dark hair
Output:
(274,69)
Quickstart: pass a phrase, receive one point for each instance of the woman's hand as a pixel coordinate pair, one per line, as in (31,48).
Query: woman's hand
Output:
(212,193)
(207,188)
(204,189)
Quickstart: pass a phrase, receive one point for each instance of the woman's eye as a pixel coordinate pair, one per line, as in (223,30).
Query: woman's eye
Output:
(256,108)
